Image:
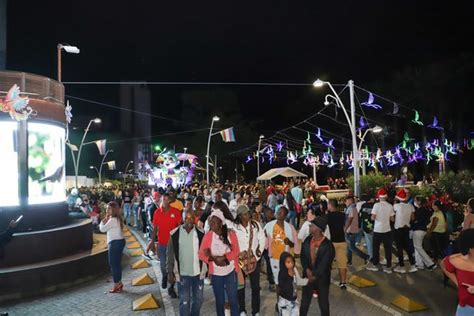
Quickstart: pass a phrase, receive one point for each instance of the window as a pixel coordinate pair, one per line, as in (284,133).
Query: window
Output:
(9,164)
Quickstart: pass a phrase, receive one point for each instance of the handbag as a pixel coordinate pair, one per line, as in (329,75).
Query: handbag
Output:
(247,259)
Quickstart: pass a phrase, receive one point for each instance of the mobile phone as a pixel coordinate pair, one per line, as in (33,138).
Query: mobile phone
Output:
(18,219)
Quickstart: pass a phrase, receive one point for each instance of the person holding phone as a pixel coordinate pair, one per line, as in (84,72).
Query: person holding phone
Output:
(112,224)
(459,268)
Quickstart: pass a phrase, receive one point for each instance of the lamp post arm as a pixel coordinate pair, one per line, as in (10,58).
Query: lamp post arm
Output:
(362,139)
(207,152)
(80,148)
(338,99)
(101,164)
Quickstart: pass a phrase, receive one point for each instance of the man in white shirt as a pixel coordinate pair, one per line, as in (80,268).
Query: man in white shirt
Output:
(382,215)
(404,214)
(234,204)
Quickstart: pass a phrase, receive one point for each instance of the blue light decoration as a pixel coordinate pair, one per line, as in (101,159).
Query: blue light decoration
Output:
(290,157)
(434,125)
(318,135)
(362,124)
(416,120)
(370,102)
(249,159)
(332,163)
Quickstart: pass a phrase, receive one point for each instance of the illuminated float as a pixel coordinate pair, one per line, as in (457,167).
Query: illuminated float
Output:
(48,249)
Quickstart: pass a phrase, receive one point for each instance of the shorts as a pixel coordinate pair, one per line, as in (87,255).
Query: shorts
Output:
(341,254)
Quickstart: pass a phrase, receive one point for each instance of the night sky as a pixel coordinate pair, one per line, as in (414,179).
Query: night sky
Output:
(371,42)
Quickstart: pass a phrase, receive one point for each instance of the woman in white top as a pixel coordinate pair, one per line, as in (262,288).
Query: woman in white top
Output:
(113,225)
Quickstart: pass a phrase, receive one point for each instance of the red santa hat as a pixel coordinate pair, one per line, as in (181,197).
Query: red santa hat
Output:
(382,193)
(402,195)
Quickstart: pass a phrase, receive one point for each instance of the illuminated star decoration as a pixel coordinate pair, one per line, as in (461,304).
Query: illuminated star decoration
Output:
(249,159)
(329,143)
(363,124)
(279,146)
(318,135)
(370,102)
(416,120)
(434,125)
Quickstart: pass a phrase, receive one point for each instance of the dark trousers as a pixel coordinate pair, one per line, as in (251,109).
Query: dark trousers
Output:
(222,285)
(265,257)
(115,258)
(386,239)
(322,289)
(144,221)
(439,243)
(351,247)
(255,285)
(402,240)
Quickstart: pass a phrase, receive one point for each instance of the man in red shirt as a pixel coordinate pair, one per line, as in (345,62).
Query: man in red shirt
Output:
(165,219)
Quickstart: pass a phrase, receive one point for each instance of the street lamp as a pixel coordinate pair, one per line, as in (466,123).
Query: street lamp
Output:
(102,164)
(126,170)
(68,49)
(375,130)
(351,122)
(258,154)
(97,170)
(74,148)
(214,119)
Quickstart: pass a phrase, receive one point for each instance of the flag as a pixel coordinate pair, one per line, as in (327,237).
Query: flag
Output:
(228,135)
(111,164)
(101,146)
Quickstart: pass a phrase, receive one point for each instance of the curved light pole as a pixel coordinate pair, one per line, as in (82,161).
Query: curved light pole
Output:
(258,154)
(68,49)
(76,169)
(214,119)
(96,170)
(375,130)
(351,122)
(102,164)
(126,170)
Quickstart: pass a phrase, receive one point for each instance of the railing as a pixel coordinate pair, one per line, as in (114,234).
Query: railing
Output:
(33,86)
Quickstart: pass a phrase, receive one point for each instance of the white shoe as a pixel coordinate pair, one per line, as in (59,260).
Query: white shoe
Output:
(400,270)
(387,270)
(371,267)
(420,267)
(243,314)
(383,261)
(207,281)
(412,269)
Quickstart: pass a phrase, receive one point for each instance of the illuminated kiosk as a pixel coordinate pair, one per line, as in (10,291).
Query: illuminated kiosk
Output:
(48,250)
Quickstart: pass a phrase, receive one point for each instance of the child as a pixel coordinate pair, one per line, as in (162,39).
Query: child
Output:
(288,280)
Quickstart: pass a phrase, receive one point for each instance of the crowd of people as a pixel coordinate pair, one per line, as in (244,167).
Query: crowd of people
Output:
(226,234)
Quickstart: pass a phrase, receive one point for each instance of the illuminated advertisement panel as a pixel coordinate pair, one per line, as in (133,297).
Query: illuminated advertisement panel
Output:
(46,178)
(9,164)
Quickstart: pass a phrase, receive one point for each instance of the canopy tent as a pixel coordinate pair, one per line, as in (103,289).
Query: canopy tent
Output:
(286,172)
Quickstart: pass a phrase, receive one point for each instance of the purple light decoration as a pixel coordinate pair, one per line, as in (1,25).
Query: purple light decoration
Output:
(349,162)
(392,161)
(329,144)
(372,162)
(279,146)
(325,158)
(370,102)
(399,154)
(363,124)
(249,159)
(434,125)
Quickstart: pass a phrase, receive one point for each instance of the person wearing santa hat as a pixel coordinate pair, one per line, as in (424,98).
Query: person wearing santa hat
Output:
(382,215)
(404,214)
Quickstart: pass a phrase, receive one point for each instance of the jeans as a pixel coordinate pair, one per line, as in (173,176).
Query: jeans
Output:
(265,257)
(275,265)
(402,240)
(386,239)
(162,254)
(190,289)
(323,298)
(351,247)
(288,308)
(126,212)
(291,218)
(465,310)
(255,285)
(222,285)
(144,222)
(369,240)
(421,257)
(115,258)
(136,213)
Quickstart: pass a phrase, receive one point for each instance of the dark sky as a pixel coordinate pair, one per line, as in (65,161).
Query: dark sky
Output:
(230,41)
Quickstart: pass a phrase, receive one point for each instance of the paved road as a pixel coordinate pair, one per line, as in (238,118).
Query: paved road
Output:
(92,298)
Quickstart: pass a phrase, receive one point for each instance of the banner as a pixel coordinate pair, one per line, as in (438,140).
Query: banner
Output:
(101,146)
(228,135)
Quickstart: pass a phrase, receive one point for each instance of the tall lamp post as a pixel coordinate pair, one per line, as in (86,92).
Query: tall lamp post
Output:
(214,119)
(96,170)
(74,148)
(375,130)
(126,170)
(258,154)
(351,121)
(69,49)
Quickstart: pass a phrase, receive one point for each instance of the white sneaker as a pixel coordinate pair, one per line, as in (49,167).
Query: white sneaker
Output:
(400,269)
(383,261)
(387,270)
(243,314)
(412,269)
(207,281)
(420,267)
(371,267)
